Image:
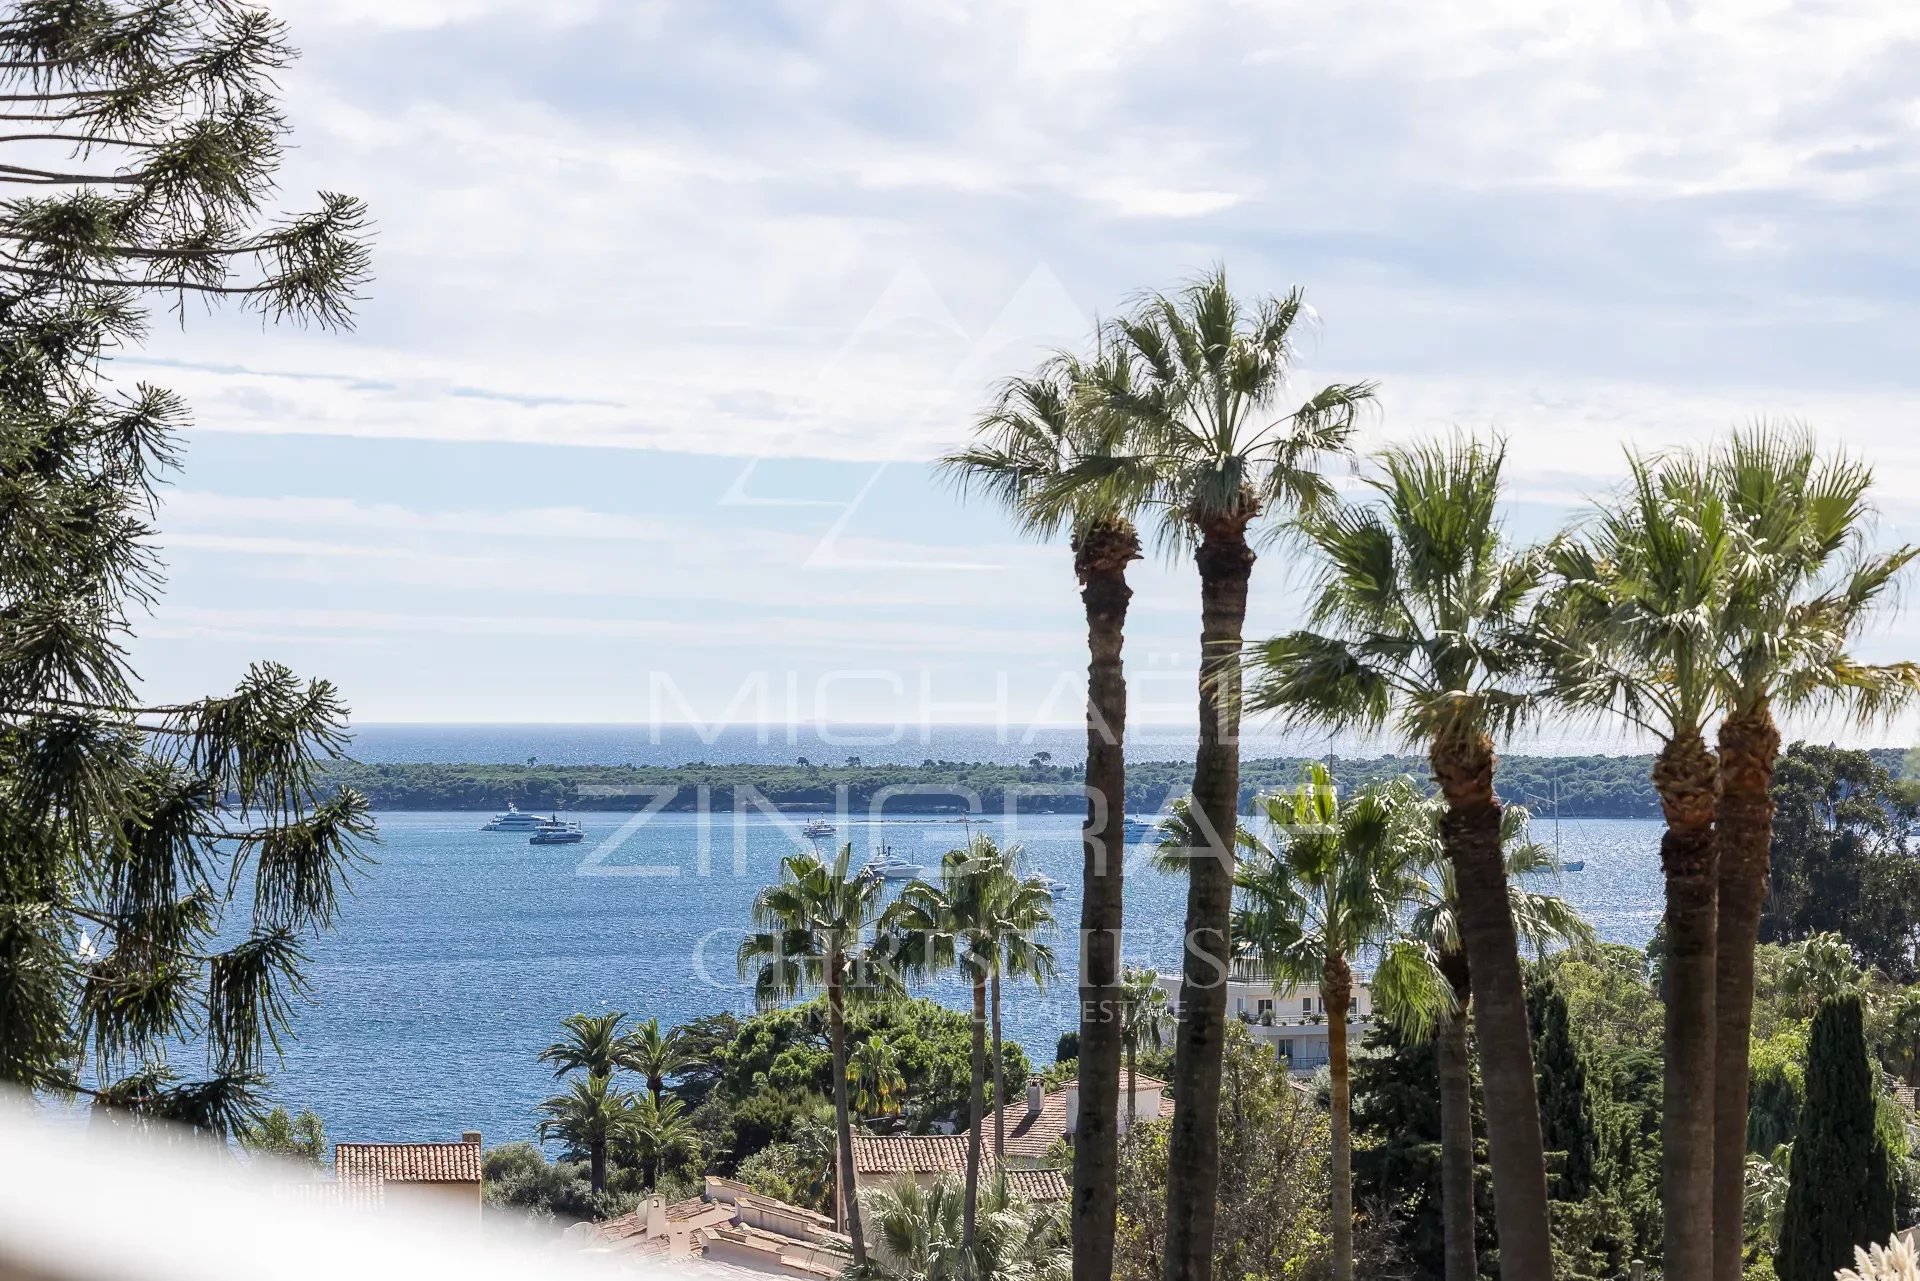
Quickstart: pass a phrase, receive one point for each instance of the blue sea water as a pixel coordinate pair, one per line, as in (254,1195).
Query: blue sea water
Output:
(461,950)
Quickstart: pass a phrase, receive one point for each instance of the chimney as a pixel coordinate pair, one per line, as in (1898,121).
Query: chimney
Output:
(1034,1095)
(470,1136)
(654,1208)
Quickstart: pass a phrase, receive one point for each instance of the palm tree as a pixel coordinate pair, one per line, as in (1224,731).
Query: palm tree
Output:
(1803,590)
(1817,969)
(1328,883)
(655,1055)
(1190,403)
(1038,432)
(591,1115)
(920,1235)
(874,1075)
(1415,622)
(1434,935)
(1632,629)
(1024,920)
(658,1129)
(1146,1019)
(594,1044)
(1901,1042)
(977,917)
(811,930)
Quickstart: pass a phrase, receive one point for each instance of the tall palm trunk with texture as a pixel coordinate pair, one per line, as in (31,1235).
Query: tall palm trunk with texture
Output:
(1463,767)
(1133,1085)
(999,1078)
(1193,1165)
(1101,555)
(597,1165)
(1455,1069)
(974,1108)
(1743,823)
(1685,775)
(845,1185)
(1336,988)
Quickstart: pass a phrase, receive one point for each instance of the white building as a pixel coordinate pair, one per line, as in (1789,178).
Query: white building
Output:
(1291,1017)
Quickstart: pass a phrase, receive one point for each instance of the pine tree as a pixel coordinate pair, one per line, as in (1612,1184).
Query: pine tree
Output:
(1567,1121)
(1840,1193)
(146,137)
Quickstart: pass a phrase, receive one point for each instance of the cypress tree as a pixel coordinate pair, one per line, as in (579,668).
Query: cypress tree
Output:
(1840,1193)
(1567,1122)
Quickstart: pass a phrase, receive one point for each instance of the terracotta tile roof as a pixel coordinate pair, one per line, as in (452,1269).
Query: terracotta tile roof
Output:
(1032,1134)
(694,1226)
(1039,1185)
(908,1153)
(359,1193)
(408,1162)
(1143,1081)
(692,1208)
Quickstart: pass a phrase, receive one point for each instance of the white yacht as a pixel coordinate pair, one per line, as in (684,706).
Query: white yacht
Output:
(1054,885)
(889,868)
(554,832)
(818,829)
(1138,829)
(514,820)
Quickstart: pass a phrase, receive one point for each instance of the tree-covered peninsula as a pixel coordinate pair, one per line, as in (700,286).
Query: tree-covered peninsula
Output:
(1587,786)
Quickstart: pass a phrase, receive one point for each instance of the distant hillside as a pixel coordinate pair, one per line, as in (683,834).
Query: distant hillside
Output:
(1589,786)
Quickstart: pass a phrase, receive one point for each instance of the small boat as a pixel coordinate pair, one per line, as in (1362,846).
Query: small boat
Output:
(1577,865)
(817,829)
(514,820)
(888,868)
(554,832)
(1053,884)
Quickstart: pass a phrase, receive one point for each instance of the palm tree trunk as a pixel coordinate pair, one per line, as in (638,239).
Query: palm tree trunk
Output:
(999,1081)
(597,1165)
(974,1110)
(845,1195)
(1133,1085)
(1456,1127)
(1463,767)
(1686,775)
(1101,556)
(1744,828)
(1193,1163)
(1336,986)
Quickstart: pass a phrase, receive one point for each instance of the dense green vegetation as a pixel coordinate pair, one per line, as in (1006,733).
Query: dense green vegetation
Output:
(1842,858)
(1588,786)
(162,866)
(1841,1190)
(754,1096)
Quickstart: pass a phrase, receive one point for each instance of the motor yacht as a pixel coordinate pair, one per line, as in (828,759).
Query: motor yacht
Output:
(889,868)
(514,820)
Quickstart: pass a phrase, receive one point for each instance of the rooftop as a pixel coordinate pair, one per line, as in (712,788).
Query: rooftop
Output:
(1039,1185)
(909,1153)
(408,1162)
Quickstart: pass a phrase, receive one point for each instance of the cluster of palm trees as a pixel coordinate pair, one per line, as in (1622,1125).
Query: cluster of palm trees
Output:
(597,1115)
(1718,585)
(1328,882)
(825,926)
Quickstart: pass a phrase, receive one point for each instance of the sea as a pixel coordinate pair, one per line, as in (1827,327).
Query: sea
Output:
(459,950)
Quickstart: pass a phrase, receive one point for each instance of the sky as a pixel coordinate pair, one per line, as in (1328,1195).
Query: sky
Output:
(675,302)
